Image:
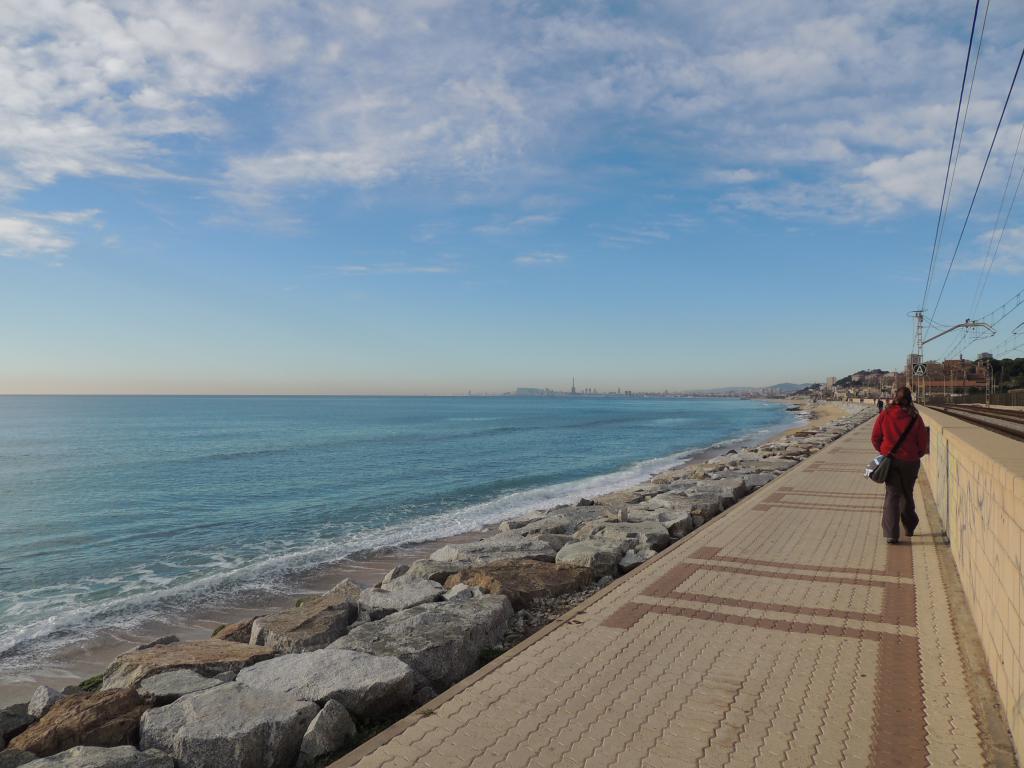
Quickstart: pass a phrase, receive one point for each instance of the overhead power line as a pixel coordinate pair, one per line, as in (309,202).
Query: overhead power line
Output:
(949,162)
(992,250)
(977,187)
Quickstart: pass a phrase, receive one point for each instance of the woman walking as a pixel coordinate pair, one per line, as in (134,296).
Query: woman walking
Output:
(900,434)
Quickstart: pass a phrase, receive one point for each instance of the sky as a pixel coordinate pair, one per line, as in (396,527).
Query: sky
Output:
(442,196)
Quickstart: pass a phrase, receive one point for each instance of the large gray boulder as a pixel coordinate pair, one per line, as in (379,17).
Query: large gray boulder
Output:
(678,524)
(441,641)
(173,684)
(105,757)
(507,546)
(397,595)
(434,570)
(601,556)
(42,699)
(328,734)
(649,535)
(564,520)
(316,623)
(757,480)
(230,725)
(369,686)
(635,557)
(15,758)
(730,489)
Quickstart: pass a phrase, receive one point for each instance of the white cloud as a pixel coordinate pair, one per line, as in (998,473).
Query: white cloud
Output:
(521,223)
(733,176)
(541,258)
(855,100)
(395,269)
(24,237)
(1008,259)
(32,234)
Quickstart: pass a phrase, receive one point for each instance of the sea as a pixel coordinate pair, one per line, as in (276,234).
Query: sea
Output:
(118,511)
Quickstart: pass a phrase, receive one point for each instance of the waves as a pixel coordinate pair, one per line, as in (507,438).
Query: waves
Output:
(178,564)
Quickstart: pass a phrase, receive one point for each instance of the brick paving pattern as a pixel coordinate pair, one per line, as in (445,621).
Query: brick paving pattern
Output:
(784,633)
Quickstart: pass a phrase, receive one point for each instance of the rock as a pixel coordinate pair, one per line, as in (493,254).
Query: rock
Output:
(757,480)
(165,640)
(585,503)
(239,632)
(730,489)
(773,465)
(316,623)
(42,699)
(396,596)
(565,520)
(462,592)
(230,725)
(706,503)
(441,641)
(102,719)
(554,540)
(506,546)
(678,524)
(206,657)
(12,758)
(394,573)
(329,732)
(521,520)
(369,686)
(601,557)
(635,557)
(105,757)
(650,535)
(432,570)
(173,684)
(13,720)
(604,581)
(624,514)
(524,581)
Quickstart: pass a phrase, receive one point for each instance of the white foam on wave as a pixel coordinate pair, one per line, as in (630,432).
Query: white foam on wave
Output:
(155,596)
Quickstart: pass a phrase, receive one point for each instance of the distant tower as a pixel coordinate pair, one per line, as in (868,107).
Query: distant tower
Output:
(574,385)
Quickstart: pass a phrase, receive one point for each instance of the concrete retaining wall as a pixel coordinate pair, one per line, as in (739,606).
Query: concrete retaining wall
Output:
(977,479)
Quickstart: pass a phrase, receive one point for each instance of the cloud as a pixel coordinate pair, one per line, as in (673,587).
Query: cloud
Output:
(853,101)
(1009,259)
(24,237)
(395,269)
(541,258)
(734,176)
(31,234)
(522,222)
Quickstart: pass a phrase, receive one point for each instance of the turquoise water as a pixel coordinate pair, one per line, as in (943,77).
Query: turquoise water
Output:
(118,510)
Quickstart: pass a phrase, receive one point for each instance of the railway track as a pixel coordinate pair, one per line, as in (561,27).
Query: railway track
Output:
(1004,421)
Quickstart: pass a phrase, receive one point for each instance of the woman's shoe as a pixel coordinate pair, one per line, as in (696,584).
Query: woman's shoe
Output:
(892,541)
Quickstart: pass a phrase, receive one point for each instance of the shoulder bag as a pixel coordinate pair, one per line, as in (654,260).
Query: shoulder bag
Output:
(878,469)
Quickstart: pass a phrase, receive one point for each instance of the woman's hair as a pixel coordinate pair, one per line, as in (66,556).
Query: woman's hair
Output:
(903,397)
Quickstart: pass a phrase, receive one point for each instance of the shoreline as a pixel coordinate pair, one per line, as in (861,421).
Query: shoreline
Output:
(90,657)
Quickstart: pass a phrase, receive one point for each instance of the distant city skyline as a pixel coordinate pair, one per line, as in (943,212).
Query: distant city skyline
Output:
(432,198)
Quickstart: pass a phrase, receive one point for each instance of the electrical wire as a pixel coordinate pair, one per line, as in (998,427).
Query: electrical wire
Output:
(977,187)
(949,162)
(991,253)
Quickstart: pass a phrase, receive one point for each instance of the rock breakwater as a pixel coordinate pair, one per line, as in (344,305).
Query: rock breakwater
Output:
(298,687)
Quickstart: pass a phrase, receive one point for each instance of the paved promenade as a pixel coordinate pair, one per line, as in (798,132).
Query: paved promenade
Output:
(784,633)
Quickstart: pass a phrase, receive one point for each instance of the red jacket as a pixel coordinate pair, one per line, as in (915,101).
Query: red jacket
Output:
(890,425)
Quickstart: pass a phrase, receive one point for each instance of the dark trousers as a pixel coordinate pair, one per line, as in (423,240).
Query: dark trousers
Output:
(899,498)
